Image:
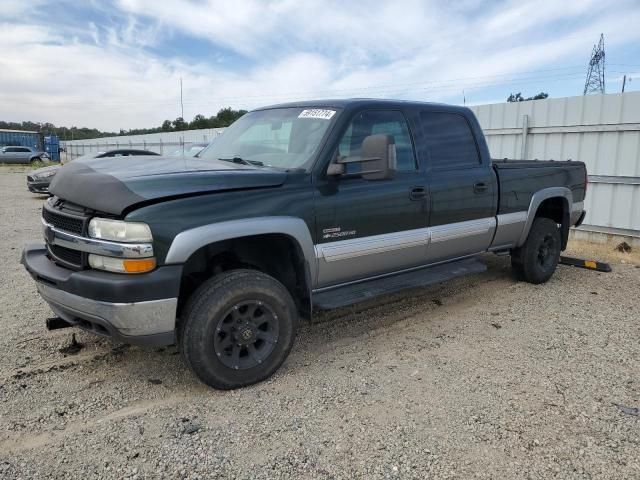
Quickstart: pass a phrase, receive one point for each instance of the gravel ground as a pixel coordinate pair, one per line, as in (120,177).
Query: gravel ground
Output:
(482,377)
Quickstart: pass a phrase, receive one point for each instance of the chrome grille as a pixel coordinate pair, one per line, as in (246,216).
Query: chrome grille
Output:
(54,215)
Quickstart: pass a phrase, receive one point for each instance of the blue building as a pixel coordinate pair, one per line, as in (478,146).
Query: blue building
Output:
(49,144)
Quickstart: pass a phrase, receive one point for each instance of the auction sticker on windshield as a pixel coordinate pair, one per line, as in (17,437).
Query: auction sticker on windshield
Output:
(317,113)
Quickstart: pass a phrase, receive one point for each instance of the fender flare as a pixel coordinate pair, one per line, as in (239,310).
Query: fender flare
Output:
(188,242)
(539,197)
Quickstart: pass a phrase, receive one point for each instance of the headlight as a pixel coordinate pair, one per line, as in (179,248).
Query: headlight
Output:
(119,231)
(122,265)
(48,174)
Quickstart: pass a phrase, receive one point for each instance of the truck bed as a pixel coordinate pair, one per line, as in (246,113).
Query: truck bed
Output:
(519,179)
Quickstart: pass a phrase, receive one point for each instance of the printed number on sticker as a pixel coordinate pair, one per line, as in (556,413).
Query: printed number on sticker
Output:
(317,113)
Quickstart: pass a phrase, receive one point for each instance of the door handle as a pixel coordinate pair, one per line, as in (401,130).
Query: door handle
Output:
(480,187)
(417,193)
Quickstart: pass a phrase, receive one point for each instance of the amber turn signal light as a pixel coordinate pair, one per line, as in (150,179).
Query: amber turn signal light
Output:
(140,265)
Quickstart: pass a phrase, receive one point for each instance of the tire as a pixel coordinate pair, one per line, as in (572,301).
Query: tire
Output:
(238,328)
(35,160)
(537,259)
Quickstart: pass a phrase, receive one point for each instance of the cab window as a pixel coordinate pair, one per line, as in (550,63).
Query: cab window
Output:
(372,122)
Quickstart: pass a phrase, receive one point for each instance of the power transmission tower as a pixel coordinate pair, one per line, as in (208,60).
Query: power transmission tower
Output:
(595,74)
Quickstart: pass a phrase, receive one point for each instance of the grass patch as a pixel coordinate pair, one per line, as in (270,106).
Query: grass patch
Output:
(25,167)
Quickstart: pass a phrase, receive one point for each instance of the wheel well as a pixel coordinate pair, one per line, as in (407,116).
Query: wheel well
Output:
(277,255)
(557,209)
(552,208)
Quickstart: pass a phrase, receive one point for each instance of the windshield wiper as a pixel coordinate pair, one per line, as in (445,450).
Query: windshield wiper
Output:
(243,161)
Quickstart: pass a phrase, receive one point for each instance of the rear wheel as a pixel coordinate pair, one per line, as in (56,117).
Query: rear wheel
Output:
(536,261)
(238,328)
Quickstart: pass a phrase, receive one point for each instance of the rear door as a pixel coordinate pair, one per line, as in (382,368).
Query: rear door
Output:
(22,154)
(370,227)
(462,187)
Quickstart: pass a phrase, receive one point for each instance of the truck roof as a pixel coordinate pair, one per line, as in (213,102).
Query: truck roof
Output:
(352,103)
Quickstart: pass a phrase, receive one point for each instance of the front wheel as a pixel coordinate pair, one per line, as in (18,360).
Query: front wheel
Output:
(35,160)
(238,328)
(536,260)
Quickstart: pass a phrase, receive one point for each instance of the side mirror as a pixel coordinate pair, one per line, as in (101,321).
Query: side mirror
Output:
(378,159)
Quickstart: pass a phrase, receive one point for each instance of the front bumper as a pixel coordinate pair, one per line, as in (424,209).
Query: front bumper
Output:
(38,186)
(136,309)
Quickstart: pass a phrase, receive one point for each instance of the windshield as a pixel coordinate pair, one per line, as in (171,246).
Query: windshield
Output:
(187,151)
(281,137)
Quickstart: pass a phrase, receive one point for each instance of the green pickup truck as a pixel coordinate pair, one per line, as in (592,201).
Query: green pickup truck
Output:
(296,207)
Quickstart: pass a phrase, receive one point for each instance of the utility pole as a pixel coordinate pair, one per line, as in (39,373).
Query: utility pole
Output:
(181,104)
(595,74)
(624,82)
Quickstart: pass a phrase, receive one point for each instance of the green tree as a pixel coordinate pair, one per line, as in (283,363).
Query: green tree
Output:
(519,98)
(199,121)
(179,124)
(227,116)
(223,118)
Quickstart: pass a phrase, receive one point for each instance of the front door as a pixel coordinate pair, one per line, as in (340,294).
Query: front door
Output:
(370,227)
(11,155)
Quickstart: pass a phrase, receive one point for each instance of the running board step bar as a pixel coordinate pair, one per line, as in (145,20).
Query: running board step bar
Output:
(368,289)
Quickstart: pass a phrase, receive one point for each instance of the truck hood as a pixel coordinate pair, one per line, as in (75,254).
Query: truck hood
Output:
(112,185)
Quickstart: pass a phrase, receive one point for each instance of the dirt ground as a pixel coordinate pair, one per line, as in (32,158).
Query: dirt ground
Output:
(481,377)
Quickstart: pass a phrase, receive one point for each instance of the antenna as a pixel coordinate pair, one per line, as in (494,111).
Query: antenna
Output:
(181,104)
(595,74)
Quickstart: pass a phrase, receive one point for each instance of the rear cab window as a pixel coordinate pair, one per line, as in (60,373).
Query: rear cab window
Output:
(449,140)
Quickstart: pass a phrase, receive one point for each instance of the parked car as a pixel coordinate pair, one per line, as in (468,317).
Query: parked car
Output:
(294,207)
(20,154)
(188,150)
(38,180)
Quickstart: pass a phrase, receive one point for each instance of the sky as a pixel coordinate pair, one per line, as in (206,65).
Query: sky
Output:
(117,64)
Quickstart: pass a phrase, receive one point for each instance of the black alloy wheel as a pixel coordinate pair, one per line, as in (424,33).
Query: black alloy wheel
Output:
(246,334)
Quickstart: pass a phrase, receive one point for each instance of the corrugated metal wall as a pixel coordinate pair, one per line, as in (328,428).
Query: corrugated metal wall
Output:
(162,142)
(20,137)
(601,130)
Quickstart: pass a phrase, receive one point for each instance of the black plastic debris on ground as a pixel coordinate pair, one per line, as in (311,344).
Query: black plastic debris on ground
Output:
(73,348)
(623,247)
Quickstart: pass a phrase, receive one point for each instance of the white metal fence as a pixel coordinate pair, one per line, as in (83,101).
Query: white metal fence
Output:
(162,142)
(601,130)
